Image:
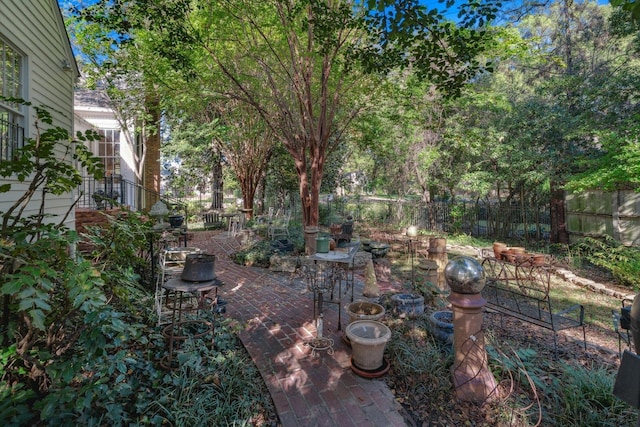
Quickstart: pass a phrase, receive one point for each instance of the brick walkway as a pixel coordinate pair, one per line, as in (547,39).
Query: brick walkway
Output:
(276,310)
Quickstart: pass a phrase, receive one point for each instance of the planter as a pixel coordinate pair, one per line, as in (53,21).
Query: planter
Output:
(437,245)
(199,268)
(498,247)
(442,325)
(363,310)
(538,259)
(322,245)
(410,305)
(379,250)
(176,220)
(368,340)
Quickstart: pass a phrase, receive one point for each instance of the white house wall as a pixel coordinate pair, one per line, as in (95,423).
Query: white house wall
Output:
(103,118)
(35,28)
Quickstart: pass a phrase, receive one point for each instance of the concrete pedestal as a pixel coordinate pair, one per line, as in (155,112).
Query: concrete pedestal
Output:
(471,376)
(310,235)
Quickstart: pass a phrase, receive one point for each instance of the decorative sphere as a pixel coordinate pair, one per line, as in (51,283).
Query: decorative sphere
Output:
(412,231)
(465,275)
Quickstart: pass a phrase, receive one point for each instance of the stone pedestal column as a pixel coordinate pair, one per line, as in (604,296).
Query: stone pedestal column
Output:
(471,376)
(310,235)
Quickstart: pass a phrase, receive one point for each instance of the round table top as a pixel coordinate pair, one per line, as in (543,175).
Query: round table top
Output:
(228,214)
(177,284)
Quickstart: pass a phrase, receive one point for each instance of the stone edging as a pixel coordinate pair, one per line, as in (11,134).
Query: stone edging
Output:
(569,276)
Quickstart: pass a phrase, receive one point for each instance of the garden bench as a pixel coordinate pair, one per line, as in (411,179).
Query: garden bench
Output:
(211,220)
(520,289)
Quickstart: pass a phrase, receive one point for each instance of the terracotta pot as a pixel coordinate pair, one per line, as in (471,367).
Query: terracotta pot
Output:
(438,245)
(335,228)
(498,247)
(538,259)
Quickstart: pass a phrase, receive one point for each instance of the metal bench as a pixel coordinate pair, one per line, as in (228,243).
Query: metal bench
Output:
(520,289)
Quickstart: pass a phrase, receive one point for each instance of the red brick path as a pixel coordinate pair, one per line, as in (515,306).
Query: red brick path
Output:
(276,311)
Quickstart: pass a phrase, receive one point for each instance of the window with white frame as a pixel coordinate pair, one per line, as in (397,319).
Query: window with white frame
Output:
(109,150)
(11,115)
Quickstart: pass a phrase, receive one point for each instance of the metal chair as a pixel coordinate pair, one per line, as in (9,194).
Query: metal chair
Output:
(279,226)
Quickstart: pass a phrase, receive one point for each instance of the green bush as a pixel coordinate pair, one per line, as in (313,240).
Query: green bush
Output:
(621,261)
(258,254)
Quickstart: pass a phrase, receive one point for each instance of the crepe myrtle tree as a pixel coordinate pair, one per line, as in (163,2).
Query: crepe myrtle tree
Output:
(307,67)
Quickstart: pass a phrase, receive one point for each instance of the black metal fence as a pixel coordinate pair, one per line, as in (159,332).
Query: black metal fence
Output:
(473,218)
(113,191)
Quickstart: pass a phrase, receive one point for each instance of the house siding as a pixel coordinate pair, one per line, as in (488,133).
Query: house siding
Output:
(36,29)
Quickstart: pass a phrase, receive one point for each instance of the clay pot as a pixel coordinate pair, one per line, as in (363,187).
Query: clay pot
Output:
(335,228)
(437,245)
(368,340)
(537,259)
(498,247)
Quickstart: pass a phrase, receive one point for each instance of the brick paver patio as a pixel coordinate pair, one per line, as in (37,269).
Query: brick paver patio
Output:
(276,310)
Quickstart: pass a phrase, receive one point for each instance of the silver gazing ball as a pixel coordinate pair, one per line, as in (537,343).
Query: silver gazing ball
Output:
(465,275)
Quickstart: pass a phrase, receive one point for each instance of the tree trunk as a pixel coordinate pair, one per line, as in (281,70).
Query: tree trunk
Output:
(217,184)
(559,233)
(151,169)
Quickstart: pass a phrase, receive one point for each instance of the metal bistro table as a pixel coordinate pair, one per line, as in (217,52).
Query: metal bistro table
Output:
(177,331)
(340,266)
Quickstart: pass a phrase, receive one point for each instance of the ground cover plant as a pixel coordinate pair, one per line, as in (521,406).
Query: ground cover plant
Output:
(534,388)
(79,344)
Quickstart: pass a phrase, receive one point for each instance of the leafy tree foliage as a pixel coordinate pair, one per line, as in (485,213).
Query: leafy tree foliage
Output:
(300,64)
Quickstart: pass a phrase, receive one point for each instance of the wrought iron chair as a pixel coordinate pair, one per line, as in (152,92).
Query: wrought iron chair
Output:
(279,226)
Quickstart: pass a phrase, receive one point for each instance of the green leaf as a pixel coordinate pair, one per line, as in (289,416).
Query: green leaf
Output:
(12,287)
(38,318)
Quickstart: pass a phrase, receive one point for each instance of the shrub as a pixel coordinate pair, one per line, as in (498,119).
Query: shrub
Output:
(621,261)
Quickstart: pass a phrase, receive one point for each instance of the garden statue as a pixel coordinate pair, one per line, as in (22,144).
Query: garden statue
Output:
(159,211)
(371,288)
